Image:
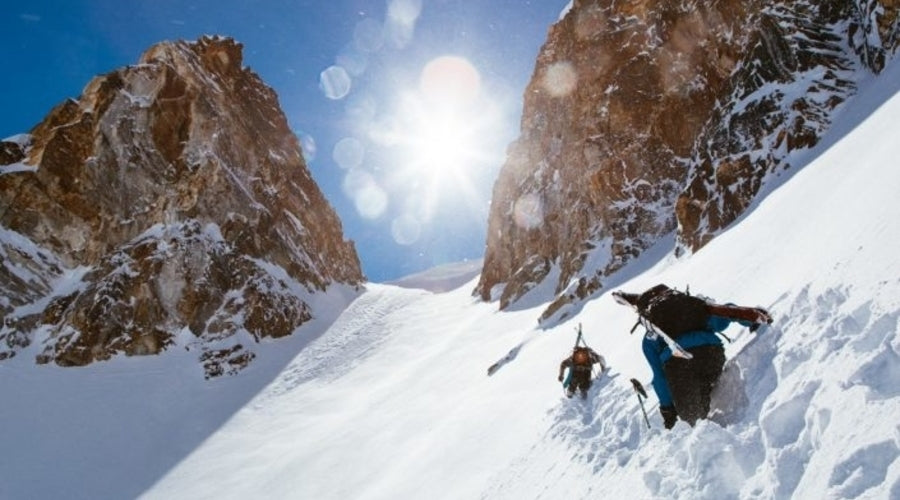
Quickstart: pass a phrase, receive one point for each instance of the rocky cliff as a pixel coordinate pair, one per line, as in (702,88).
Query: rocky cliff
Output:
(649,118)
(168,205)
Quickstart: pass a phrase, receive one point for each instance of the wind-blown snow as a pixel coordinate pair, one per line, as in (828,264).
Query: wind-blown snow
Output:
(392,400)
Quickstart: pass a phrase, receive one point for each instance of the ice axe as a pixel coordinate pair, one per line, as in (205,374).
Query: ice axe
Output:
(641,394)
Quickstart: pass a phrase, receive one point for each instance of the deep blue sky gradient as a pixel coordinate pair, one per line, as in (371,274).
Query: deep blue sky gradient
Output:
(51,49)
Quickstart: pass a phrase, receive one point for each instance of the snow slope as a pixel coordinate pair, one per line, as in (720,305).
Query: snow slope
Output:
(416,415)
(109,430)
(392,400)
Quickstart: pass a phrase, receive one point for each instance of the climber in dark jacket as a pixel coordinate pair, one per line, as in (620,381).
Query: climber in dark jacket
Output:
(580,365)
(684,386)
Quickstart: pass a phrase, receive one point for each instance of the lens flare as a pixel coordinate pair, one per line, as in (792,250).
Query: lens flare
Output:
(368,36)
(451,81)
(348,153)
(370,199)
(560,79)
(528,212)
(353,61)
(334,82)
(406,229)
(401,21)
(307,146)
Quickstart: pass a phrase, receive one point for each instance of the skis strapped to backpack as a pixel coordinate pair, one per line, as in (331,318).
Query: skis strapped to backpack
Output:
(581,352)
(672,311)
(583,356)
(668,313)
(580,339)
(676,349)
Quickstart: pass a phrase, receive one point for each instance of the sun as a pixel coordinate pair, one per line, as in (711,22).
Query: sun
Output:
(437,148)
(442,126)
(439,140)
(440,136)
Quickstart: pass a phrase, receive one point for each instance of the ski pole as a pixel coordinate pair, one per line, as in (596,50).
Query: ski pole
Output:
(639,389)
(641,401)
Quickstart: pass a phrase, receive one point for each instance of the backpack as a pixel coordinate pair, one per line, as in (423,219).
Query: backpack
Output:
(581,357)
(672,311)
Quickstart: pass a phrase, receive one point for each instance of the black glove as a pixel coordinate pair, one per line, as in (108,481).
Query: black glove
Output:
(638,387)
(669,415)
(559,378)
(762,317)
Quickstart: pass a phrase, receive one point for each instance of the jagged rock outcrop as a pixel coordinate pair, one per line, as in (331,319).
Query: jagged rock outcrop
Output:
(819,49)
(651,118)
(173,201)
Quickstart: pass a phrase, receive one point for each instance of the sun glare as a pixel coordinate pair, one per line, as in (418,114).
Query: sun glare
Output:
(450,80)
(441,126)
(440,116)
(441,140)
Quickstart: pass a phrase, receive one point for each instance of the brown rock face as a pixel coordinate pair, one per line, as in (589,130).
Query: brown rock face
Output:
(176,191)
(651,118)
(763,119)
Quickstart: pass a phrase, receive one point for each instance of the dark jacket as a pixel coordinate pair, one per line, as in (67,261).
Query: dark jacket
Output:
(570,363)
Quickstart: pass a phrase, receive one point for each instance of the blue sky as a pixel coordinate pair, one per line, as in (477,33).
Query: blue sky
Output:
(404,107)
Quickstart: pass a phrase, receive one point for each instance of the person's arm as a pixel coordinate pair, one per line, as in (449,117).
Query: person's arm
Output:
(745,315)
(597,358)
(562,367)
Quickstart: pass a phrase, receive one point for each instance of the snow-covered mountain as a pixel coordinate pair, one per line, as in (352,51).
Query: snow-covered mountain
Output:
(169,207)
(390,399)
(643,118)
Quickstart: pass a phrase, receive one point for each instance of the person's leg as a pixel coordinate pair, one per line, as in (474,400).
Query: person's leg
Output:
(685,396)
(583,379)
(691,381)
(708,374)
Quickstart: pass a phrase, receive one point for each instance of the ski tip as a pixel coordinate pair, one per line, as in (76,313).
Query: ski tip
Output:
(625,299)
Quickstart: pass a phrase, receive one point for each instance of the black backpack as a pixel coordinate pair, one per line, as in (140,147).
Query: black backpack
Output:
(672,311)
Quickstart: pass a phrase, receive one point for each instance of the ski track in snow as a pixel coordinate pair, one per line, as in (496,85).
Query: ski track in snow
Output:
(360,330)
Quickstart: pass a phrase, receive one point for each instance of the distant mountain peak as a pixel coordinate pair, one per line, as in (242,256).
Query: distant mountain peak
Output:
(180,188)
